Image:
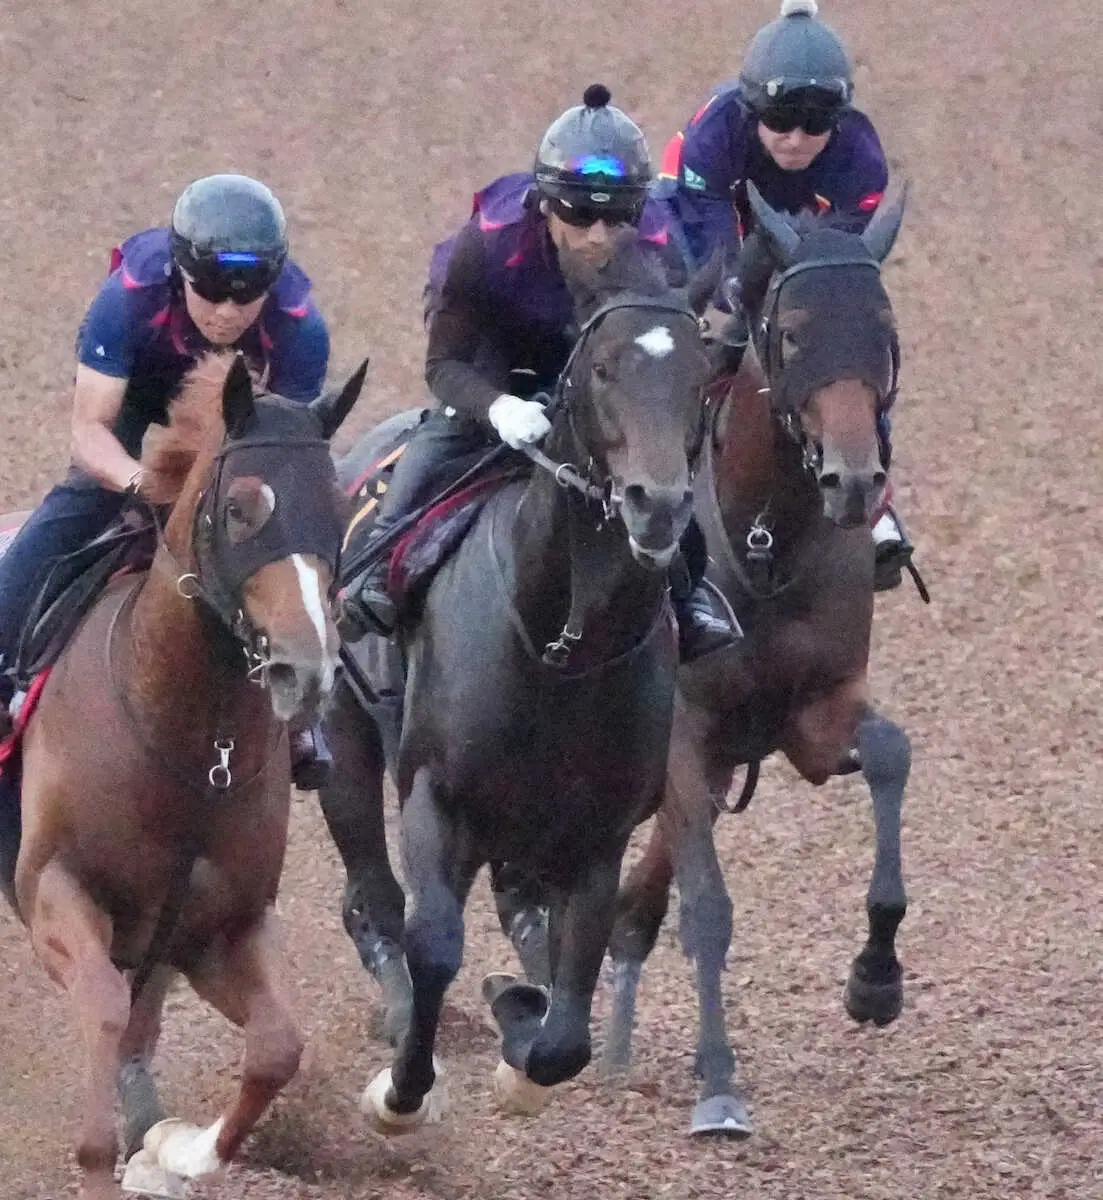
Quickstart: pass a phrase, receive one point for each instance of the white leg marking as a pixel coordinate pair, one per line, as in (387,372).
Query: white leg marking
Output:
(657,342)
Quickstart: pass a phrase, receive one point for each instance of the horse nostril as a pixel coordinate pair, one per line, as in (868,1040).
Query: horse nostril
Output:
(879,479)
(281,674)
(830,479)
(635,494)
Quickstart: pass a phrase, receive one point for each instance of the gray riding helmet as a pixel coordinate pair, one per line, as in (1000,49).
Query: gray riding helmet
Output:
(797,59)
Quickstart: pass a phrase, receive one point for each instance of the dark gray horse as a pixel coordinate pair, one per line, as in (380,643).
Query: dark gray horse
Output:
(539,681)
(790,475)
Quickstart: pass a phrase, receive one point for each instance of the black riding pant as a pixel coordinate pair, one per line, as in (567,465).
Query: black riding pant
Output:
(67,519)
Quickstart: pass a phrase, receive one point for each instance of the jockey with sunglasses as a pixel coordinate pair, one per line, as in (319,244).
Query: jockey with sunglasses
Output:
(219,277)
(787,125)
(498,309)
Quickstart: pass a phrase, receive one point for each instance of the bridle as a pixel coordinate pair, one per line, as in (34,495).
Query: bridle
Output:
(566,473)
(767,336)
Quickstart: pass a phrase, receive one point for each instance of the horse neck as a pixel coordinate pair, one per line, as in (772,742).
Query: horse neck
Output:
(180,670)
(617,599)
(758,468)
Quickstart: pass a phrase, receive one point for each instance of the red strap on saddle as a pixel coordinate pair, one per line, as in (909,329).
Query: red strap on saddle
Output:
(10,744)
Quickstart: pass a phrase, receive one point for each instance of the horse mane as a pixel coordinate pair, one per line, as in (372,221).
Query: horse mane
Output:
(195,425)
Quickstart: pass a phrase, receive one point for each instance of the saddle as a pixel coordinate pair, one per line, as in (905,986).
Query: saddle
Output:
(69,587)
(431,535)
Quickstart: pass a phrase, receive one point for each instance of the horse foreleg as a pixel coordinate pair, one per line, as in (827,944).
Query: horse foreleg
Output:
(523,915)
(374,903)
(137,1089)
(875,987)
(558,1047)
(440,869)
(72,938)
(821,734)
(706,931)
(243,979)
(641,907)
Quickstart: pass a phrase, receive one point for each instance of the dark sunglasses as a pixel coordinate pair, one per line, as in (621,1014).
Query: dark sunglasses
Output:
(814,121)
(241,288)
(582,216)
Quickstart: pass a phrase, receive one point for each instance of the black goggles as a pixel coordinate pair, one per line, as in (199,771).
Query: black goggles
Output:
(582,216)
(814,121)
(240,286)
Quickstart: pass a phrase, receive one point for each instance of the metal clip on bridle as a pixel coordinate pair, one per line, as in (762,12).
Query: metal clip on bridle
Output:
(760,554)
(219,776)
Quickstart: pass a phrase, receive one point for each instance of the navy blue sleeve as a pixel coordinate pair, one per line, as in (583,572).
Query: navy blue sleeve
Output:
(300,352)
(109,334)
(713,160)
(861,184)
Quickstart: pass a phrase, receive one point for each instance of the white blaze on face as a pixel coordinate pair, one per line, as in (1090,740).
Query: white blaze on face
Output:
(314,602)
(657,342)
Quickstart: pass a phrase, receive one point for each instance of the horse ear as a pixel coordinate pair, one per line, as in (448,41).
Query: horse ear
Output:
(880,234)
(704,281)
(237,398)
(331,408)
(782,236)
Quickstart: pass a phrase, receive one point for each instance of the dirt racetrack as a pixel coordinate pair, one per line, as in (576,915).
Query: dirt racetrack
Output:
(374,123)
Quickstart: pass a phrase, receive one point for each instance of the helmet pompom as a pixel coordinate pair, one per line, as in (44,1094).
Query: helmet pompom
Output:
(597,95)
(799,8)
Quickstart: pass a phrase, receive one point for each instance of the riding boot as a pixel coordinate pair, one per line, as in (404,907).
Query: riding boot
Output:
(311,759)
(426,466)
(700,631)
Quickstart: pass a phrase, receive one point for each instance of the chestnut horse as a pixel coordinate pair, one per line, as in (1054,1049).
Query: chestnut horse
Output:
(155,783)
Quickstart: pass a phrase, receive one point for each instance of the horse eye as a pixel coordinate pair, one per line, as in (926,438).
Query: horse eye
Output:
(249,504)
(601,371)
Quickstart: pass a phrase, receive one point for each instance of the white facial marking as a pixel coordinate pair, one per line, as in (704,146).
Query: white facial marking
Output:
(311,588)
(657,342)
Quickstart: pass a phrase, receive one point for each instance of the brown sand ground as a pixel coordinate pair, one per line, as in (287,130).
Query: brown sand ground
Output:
(374,123)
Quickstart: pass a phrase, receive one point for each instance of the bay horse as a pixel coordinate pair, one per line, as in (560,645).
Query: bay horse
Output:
(792,474)
(155,777)
(539,682)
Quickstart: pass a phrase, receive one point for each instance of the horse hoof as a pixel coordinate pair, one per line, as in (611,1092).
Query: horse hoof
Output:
(185,1150)
(494,984)
(866,1000)
(384,1119)
(721,1114)
(144,1176)
(517,1094)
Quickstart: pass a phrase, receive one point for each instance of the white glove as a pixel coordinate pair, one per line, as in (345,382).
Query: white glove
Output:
(518,422)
